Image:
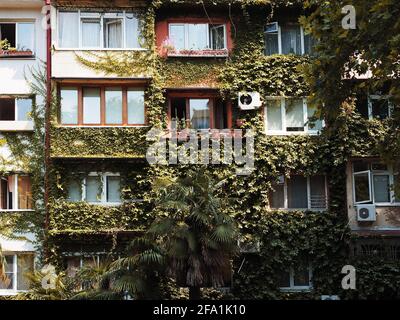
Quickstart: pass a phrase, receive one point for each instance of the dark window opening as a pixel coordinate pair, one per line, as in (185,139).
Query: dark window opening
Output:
(178,110)
(7,31)
(362,106)
(7,109)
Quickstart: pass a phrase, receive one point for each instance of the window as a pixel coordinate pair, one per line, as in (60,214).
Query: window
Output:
(299,192)
(373,183)
(15,192)
(113,106)
(96,188)
(297,278)
(200,36)
(199,113)
(374,106)
(288,116)
(98,30)
(20,35)
(15,109)
(16,268)
(287,39)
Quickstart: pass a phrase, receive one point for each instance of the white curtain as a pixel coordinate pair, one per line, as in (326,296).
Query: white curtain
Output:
(91,33)
(114,33)
(200,113)
(132,31)
(68,29)
(274,115)
(291,39)
(198,36)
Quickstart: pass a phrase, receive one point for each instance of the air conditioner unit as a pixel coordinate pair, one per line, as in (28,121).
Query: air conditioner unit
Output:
(249,100)
(249,246)
(330,297)
(366,212)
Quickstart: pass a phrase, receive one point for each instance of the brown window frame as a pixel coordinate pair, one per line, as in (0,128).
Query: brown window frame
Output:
(124,88)
(212,96)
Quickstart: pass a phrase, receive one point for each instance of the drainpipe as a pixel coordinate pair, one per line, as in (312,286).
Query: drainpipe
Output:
(47,159)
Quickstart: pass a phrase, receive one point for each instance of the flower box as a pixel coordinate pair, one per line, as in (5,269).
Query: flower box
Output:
(16,53)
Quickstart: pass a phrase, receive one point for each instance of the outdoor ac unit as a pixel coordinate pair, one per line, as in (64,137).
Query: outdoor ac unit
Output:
(249,246)
(366,212)
(249,100)
(330,297)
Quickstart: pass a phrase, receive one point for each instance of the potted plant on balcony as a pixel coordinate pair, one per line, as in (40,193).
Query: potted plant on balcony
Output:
(6,50)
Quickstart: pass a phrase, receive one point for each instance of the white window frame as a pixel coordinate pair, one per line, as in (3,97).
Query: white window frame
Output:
(103,197)
(102,15)
(292,287)
(286,200)
(16,107)
(302,49)
(14,290)
(15,195)
(307,129)
(186,34)
(371,173)
(16,31)
(378,97)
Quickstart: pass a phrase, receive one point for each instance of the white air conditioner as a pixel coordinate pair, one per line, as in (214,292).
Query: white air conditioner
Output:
(330,297)
(249,246)
(366,212)
(249,100)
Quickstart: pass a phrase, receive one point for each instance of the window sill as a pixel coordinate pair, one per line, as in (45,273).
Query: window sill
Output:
(105,204)
(199,54)
(289,133)
(99,126)
(299,209)
(16,210)
(379,205)
(16,125)
(101,49)
(299,289)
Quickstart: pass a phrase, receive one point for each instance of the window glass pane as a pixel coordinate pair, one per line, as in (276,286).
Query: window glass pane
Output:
(24,192)
(73,265)
(317,192)
(276,199)
(91,105)
(380,108)
(136,106)
(24,107)
(25,265)
(274,115)
(93,189)
(301,276)
(132,31)
(8,31)
(362,106)
(361,187)
(381,188)
(378,166)
(198,36)
(314,125)
(200,113)
(113,33)
(284,279)
(217,33)
(74,190)
(396,188)
(113,189)
(113,105)
(291,39)
(91,33)
(69,106)
(294,115)
(7,109)
(271,44)
(26,36)
(297,192)
(360,166)
(68,29)
(309,43)
(9,272)
(177,36)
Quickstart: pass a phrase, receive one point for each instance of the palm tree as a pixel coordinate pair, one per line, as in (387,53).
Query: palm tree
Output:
(197,235)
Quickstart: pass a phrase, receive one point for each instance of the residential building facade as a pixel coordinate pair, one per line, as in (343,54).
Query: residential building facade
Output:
(313,203)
